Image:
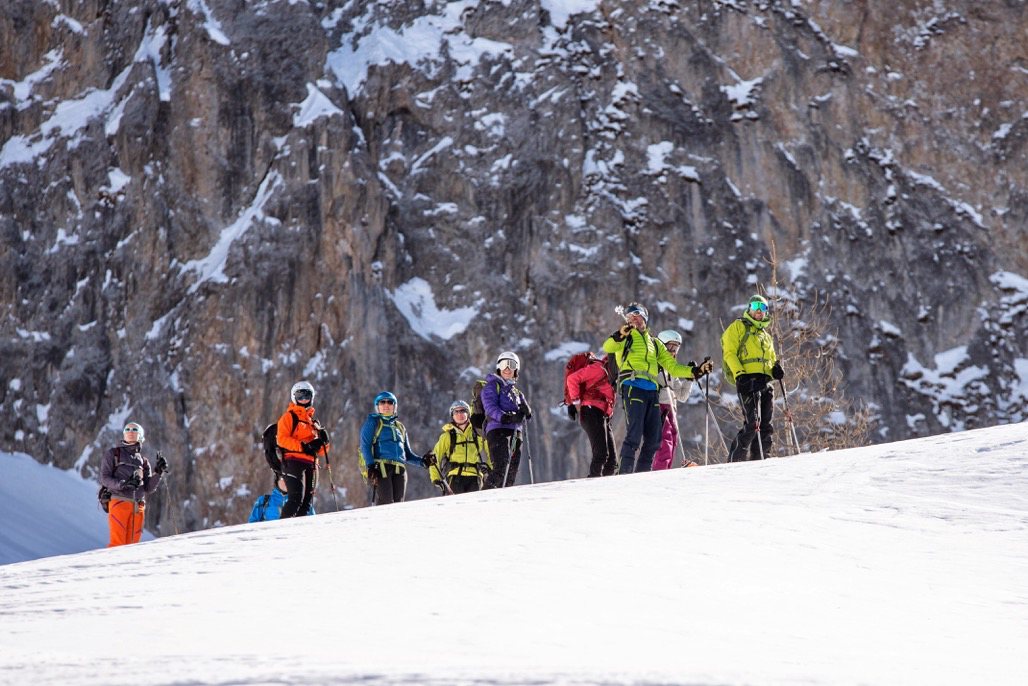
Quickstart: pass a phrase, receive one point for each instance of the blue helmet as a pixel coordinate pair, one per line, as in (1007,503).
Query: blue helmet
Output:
(388,397)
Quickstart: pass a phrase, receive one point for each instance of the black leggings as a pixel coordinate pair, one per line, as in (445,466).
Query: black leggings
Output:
(754,438)
(499,441)
(597,427)
(299,477)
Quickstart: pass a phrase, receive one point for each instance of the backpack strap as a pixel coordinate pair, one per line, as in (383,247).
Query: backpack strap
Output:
(742,345)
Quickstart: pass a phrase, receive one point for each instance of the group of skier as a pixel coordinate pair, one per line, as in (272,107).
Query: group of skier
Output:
(481,445)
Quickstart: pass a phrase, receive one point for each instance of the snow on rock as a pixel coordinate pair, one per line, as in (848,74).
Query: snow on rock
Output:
(416,302)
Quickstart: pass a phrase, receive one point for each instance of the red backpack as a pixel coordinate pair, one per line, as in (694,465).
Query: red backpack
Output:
(576,362)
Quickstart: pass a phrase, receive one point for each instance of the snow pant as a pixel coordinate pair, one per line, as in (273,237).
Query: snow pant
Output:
(642,411)
(299,477)
(597,427)
(668,439)
(464,484)
(390,487)
(125,521)
(505,451)
(744,447)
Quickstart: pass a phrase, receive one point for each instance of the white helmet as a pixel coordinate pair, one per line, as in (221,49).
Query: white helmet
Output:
(304,390)
(138,429)
(508,360)
(669,336)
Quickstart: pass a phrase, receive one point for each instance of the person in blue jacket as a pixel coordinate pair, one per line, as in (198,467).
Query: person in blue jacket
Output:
(506,409)
(269,505)
(385,451)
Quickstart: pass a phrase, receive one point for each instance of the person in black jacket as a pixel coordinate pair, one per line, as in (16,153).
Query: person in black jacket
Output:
(127,474)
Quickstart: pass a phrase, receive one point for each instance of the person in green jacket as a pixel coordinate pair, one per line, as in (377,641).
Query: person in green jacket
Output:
(460,458)
(749,356)
(639,356)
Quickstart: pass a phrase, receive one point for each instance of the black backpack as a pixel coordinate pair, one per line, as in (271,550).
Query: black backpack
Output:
(271,450)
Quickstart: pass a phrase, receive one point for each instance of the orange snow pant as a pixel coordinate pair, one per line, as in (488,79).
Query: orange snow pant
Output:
(125,519)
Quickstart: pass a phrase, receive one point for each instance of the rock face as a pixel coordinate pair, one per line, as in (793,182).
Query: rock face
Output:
(203,201)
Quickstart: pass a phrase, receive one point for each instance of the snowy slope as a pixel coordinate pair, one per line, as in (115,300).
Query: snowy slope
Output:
(903,563)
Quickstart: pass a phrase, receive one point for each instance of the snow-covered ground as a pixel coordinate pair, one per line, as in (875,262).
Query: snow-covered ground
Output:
(904,563)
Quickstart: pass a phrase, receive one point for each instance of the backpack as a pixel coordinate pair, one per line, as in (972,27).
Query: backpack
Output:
(576,362)
(610,363)
(477,408)
(262,506)
(726,371)
(103,496)
(272,453)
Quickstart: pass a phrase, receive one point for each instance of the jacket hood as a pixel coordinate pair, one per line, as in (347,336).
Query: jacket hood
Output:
(754,322)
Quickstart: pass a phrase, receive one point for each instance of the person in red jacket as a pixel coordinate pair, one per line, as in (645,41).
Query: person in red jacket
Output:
(301,439)
(590,399)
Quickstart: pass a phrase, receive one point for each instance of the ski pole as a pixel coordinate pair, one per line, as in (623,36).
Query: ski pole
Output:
(760,441)
(331,481)
(788,417)
(528,455)
(510,458)
(706,422)
(167,489)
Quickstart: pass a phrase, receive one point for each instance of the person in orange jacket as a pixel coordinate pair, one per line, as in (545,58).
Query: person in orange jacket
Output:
(301,439)
(128,476)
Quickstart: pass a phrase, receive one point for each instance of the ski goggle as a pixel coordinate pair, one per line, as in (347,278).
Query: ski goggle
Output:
(459,410)
(758,307)
(131,430)
(386,401)
(507,363)
(303,394)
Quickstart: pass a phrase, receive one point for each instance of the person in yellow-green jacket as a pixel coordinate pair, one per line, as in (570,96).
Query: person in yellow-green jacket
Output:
(750,359)
(459,461)
(639,356)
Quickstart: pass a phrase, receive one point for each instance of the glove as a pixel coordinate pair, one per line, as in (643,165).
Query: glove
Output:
(372,473)
(312,447)
(777,373)
(131,483)
(703,368)
(161,465)
(573,413)
(622,333)
(510,418)
(440,485)
(526,409)
(483,468)
(323,436)
(428,459)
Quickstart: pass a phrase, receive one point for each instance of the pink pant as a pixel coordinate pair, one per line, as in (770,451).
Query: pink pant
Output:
(665,454)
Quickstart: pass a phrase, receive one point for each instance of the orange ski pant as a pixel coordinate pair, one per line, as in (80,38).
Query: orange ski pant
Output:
(125,519)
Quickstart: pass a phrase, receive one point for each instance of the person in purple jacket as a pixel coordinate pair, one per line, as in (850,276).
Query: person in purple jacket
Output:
(128,476)
(506,409)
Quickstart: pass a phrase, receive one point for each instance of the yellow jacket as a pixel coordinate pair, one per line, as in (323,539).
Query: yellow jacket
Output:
(459,452)
(747,348)
(646,356)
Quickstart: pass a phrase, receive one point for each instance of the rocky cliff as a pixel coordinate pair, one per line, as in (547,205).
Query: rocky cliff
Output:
(203,201)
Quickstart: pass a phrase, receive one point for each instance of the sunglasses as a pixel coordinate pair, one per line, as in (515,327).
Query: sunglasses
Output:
(758,307)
